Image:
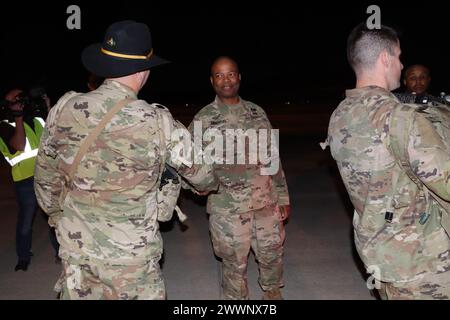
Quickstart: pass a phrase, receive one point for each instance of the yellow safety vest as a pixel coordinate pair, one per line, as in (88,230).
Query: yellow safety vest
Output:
(23,162)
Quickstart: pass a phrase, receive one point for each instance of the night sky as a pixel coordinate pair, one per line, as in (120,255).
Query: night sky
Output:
(284,53)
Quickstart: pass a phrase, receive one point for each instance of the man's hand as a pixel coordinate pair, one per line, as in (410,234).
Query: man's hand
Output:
(284,211)
(18,140)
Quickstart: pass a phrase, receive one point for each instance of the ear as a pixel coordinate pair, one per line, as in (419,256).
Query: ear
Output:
(385,58)
(140,75)
(211,79)
(239,77)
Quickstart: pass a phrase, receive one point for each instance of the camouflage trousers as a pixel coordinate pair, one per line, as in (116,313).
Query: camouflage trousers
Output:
(100,281)
(234,235)
(431,287)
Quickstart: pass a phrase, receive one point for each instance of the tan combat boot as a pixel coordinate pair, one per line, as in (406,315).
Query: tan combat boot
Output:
(274,294)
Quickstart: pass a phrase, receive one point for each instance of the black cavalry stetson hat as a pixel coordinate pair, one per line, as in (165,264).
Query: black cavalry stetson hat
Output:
(126,49)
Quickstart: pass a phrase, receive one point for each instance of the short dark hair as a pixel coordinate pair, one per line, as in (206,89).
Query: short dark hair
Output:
(427,70)
(232,60)
(364,45)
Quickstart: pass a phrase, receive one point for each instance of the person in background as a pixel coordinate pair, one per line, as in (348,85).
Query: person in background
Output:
(19,141)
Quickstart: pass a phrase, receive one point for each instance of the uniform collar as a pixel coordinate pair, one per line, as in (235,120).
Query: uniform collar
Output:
(374,90)
(117,86)
(230,107)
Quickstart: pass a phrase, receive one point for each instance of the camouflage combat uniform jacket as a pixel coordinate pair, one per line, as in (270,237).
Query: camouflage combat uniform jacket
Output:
(242,188)
(358,135)
(110,212)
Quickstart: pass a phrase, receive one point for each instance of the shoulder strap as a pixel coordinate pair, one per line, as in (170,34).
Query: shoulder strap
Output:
(400,124)
(399,128)
(94,134)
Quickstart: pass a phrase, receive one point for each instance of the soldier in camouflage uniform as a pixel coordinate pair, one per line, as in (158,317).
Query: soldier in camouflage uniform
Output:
(107,222)
(400,233)
(248,209)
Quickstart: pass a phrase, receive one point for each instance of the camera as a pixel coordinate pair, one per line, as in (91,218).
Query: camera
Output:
(5,108)
(37,102)
(33,101)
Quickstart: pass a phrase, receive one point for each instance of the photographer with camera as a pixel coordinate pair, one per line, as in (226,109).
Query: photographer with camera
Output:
(20,133)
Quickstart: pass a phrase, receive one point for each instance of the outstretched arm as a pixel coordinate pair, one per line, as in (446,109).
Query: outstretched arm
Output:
(199,177)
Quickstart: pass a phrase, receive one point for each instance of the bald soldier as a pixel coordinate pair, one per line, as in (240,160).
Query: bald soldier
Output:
(248,210)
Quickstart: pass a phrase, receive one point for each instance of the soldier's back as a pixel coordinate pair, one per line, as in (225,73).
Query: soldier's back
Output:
(358,136)
(112,203)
